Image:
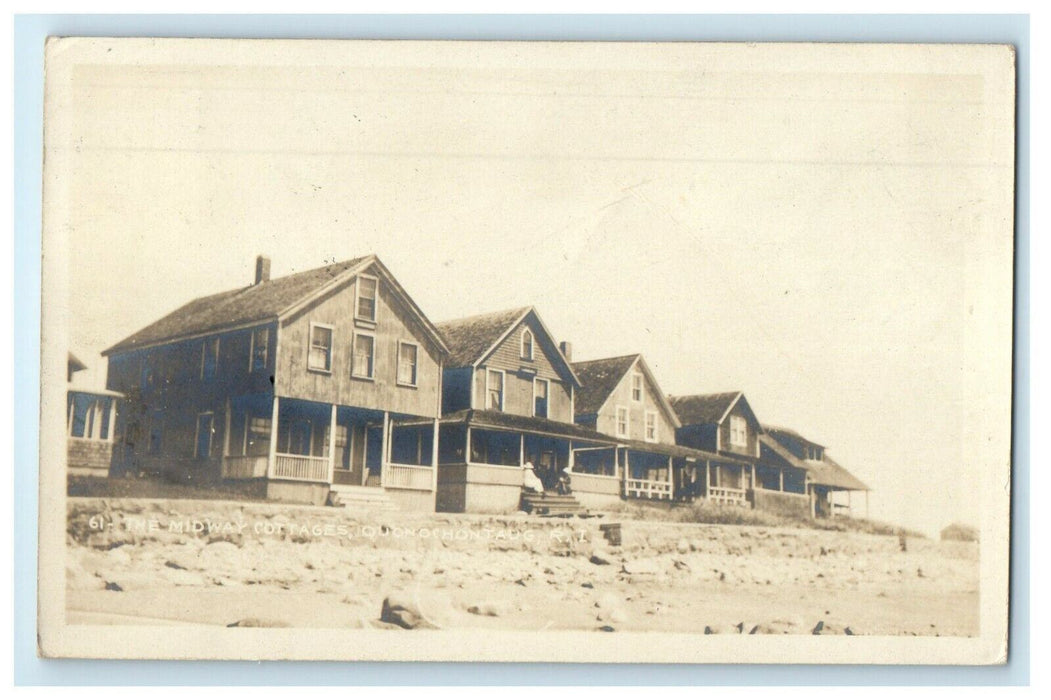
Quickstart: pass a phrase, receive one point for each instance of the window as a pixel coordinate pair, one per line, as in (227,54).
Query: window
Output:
(738,431)
(651,426)
(209,358)
(622,421)
(407,355)
(540,390)
(259,349)
(527,344)
(365,306)
(636,387)
(258,438)
(363,357)
(205,427)
(156,431)
(320,357)
(494,389)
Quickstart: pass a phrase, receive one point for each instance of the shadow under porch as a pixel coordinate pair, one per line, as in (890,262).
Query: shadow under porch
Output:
(305,450)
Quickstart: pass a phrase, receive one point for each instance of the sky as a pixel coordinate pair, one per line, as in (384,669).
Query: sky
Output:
(824,229)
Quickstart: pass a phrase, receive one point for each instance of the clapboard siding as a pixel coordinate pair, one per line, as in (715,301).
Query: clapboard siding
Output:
(606,422)
(393,324)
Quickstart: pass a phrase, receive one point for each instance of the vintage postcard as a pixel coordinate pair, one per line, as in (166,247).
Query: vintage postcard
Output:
(552,352)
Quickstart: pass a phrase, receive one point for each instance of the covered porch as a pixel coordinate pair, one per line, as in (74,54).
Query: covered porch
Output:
(294,440)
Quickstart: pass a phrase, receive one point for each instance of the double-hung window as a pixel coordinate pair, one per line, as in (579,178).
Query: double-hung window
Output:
(651,426)
(320,357)
(260,349)
(738,431)
(494,389)
(408,355)
(365,304)
(363,357)
(622,421)
(540,392)
(527,344)
(636,387)
(209,358)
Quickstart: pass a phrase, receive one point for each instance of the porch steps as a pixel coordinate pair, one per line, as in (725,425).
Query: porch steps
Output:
(550,504)
(362,498)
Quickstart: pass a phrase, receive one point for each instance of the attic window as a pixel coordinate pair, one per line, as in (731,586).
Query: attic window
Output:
(527,344)
(320,353)
(636,386)
(738,431)
(365,305)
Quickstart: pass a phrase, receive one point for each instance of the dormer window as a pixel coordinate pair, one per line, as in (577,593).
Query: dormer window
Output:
(636,386)
(527,344)
(365,304)
(738,431)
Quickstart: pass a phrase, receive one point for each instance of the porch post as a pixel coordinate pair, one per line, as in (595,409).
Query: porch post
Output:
(521,449)
(71,407)
(384,446)
(332,445)
(671,479)
(467,445)
(271,460)
(780,478)
(572,456)
(707,477)
(813,500)
(364,455)
(112,418)
(753,477)
(226,432)
(434,458)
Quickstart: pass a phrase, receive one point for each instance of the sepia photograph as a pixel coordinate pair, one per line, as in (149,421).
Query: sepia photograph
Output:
(526,351)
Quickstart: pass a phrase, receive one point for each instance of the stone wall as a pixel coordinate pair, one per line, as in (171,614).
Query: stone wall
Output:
(86,457)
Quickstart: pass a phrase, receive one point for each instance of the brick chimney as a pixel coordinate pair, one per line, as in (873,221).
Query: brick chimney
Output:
(567,349)
(262,269)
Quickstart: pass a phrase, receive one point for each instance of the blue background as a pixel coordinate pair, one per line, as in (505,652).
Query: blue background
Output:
(30,33)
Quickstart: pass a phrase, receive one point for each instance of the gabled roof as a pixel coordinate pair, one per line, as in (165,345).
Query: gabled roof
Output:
(267,301)
(704,408)
(600,378)
(823,472)
(472,339)
(778,431)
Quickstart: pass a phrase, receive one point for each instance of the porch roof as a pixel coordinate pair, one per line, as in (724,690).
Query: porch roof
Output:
(678,451)
(499,420)
(823,472)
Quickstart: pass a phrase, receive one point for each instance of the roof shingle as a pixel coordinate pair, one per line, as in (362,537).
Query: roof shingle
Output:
(703,408)
(469,338)
(598,379)
(238,307)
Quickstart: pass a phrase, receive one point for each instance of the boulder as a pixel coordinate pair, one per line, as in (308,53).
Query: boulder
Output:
(600,558)
(401,610)
(497,608)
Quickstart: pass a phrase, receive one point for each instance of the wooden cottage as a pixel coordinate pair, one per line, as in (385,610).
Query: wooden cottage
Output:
(621,399)
(725,426)
(805,468)
(319,381)
(508,395)
(91,419)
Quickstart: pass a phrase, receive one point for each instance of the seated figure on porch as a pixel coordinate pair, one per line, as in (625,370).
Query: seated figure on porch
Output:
(530,479)
(562,487)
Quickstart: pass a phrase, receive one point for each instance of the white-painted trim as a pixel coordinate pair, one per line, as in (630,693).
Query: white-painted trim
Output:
(616,421)
(197,434)
(265,330)
(503,336)
(331,346)
(354,353)
(547,398)
(375,301)
(526,330)
(503,389)
(645,427)
(206,341)
(731,406)
(416,366)
(744,442)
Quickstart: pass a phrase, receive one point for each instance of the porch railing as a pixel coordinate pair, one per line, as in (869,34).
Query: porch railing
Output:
(244,467)
(727,496)
(300,468)
(409,476)
(644,488)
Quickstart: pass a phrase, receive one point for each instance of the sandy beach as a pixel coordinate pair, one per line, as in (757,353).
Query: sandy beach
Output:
(213,563)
